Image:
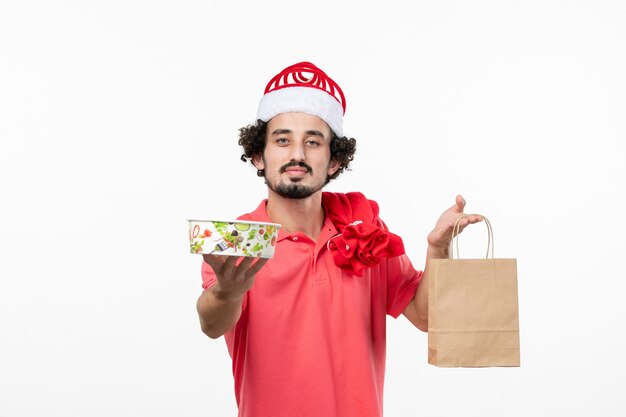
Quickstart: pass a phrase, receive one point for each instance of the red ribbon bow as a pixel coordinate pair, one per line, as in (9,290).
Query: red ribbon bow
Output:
(362,243)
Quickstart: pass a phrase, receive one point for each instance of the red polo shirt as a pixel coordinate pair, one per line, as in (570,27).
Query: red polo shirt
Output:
(311,338)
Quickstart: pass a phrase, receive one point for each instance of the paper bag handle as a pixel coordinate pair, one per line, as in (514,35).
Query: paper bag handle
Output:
(455,234)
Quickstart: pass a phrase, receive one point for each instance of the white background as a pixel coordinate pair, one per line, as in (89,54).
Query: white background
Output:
(118,121)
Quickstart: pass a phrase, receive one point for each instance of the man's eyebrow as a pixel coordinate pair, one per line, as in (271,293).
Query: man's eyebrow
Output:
(315,133)
(281,131)
(308,132)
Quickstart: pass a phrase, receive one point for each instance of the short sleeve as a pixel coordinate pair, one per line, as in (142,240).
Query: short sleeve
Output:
(402,282)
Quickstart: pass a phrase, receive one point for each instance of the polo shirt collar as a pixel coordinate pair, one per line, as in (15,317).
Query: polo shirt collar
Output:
(328,228)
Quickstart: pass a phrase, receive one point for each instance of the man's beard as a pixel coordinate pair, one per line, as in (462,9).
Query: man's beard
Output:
(294,190)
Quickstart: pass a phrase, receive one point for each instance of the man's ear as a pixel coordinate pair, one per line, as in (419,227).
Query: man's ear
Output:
(257,161)
(333,167)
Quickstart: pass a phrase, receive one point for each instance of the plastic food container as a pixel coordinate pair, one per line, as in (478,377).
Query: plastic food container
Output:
(233,238)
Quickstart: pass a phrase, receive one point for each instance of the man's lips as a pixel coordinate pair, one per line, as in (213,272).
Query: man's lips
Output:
(296,170)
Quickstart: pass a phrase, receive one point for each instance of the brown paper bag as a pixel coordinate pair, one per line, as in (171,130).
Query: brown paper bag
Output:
(472,310)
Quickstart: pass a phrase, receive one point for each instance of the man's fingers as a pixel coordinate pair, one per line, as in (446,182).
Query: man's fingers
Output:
(460,203)
(215,261)
(222,263)
(463,224)
(245,263)
(231,262)
(471,219)
(474,218)
(260,263)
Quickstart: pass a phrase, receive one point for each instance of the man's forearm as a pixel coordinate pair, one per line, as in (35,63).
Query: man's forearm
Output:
(218,313)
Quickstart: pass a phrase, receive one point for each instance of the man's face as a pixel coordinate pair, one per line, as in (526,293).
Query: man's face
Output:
(296,158)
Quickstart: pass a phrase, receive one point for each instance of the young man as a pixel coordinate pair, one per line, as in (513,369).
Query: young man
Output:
(306,329)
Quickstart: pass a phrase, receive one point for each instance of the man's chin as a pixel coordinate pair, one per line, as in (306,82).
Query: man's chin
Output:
(294,191)
(293,188)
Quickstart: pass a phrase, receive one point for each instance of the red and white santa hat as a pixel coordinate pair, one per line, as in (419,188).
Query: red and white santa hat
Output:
(305,88)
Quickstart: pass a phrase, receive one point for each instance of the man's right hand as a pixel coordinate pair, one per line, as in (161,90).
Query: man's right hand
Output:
(235,274)
(219,308)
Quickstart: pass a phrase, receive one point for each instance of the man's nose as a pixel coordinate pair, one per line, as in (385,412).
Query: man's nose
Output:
(297,152)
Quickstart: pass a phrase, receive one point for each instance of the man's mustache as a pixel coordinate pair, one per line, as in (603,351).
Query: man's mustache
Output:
(296,164)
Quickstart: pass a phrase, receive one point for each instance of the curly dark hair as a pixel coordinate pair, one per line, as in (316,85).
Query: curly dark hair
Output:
(252,139)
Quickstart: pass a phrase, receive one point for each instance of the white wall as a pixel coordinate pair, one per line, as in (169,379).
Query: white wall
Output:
(118,121)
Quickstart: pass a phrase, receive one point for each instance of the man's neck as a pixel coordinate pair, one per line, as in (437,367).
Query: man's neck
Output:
(304,215)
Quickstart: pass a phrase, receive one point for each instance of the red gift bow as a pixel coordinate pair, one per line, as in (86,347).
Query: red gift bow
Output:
(361,243)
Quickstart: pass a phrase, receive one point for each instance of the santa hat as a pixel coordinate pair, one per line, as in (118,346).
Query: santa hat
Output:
(305,88)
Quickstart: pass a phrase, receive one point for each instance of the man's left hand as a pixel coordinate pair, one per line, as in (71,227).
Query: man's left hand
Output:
(441,235)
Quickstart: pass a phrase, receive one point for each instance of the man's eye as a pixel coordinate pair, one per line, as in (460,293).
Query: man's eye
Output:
(313,143)
(282,141)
